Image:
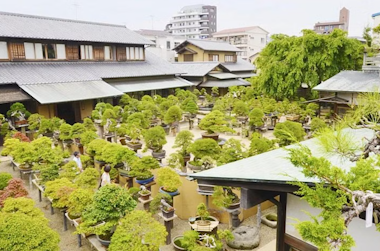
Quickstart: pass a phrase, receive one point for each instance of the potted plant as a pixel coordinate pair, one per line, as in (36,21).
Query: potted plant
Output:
(167,208)
(141,169)
(47,172)
(241,110)
(110,203)
(14,189)
(202,148)
(289,132)
(4,178)
(18,112)
(182,141)
(256,118)
(169,180)
(224,197)
(87,136)
(35,121)
(48,127)
(172,117)
(190,106)
(79,199)
(144,193)
(188,241)
(65,133)
(213,123)
(89,124)
(69,171)
(76,132)
(155,139)
(203,213)
(115,154)
(95,148)
(138,230)
(57,190)
(134,193)
(88,179)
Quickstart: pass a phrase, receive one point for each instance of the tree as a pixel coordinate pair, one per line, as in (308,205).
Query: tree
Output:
(138,231)
(174,114)
(214,122)
(289,132)
(367,36)
(287,62)
(232,150)
(377,29)
(256,118)
(259,144)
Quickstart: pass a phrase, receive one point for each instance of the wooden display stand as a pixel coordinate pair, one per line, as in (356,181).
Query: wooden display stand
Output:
(146,203)
(169,226)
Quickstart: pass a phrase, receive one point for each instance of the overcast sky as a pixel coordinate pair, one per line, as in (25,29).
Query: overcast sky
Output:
(276,16)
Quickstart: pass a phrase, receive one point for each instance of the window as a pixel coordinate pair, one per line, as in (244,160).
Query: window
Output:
(17,50)
(168,45)
(135,53)
(229,58)
(108,53)
(99,53)
(3,50)
(49,51)
(72,52)
(33,51)
(86,52)
(188,57)
(121,53)
(262,40)
(213,57)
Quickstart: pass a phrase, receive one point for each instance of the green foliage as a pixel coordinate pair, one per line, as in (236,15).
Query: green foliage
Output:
(189,105)
(155,204)
(376,29)
(114,154)
(69,171)
(256,117)
(141,168)
(4,178)
(317,124)
(214,122)
(89,124)
(50,125)
(34,121)
(48,172)
(204,147)
(138,120)
(23,227)
(65,132)
(138,231)
(259,144)
(168,179)
(232,150)
(52,188)
(134,193)
(190,239)
(240,108)
(289,132)
(18,110)
(224,196)
(78,200)
(287,62)
(183,140)
(95,147)
(88,179)
(367,35)
(155,138)
(88,136)
(173,114)
(202,211)
(77,130)
(4,128)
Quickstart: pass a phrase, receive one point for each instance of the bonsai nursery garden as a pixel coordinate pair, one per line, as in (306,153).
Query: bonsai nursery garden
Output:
(48,203)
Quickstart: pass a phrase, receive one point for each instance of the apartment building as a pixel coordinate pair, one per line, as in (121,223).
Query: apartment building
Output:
(60,67)
(376,23)
(195,21)
(164,43)
(328,27)
(250,40)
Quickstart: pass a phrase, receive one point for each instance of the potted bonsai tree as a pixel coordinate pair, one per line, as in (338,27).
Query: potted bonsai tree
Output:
(76,132)
(224,197)
(182,141)
(88,179)
(115,154)
(141,169)
(87,136)
(65,134)
(79,199)
(166,208)
(58,191)
(169,180)
(241,110)
(18,113)
(190,106)
(202,148)
(49,126)
(256,118)
(203,213)
(35,121)
(213,123)
(144,193)
(172,117)
(155,139)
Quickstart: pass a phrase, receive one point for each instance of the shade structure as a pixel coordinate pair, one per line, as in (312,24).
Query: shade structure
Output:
(223,75)
(150,84)
(70,91)
(11,93)
(225,83)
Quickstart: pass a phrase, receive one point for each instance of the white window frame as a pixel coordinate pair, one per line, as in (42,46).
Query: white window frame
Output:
(3,50)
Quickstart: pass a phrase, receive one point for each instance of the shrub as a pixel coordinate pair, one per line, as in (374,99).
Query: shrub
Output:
(232,150)
(259,144)
(69,170)
(18,110)
(14,189)
(155,204)
(138,230)
(141,168)
(35,121)
(240,108)
(289,132)
(190,106)
(183,140)
(88,179)
(224,196)
(23,205)
(48,172)
(50,125)
(95,147)
(65,132)
(317,124)
(138,119)
(114,154)
(87,137)
(155,138)
(168,179)
(214,122)
(256,117)
(77,129)
(173,114)
(20,136)
(4,178)
(79,199)
(52,188)
(204,147)
(202,211)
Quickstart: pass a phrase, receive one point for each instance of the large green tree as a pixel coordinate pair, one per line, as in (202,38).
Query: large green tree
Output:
(287,62)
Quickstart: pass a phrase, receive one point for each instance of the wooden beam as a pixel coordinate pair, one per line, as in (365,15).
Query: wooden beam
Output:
(250,197)
(298,244)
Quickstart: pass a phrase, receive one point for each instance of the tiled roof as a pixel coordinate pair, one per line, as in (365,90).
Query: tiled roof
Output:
(36,27)
(158,33)
(24,73)
(225,83)
(275,167)
(240,65)
(209,45)
(351,81)
(237,30)
(12,93)
(196,69)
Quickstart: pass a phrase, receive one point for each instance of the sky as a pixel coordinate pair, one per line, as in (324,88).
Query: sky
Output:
(275,16)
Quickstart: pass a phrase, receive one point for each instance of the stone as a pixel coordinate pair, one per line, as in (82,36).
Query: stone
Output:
(245,238)
(270,220)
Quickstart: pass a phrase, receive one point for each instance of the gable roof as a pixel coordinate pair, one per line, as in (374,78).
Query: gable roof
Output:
(240,65)
(351,81)
(37,27)
(196,69)
(158,33)
(208,45)
(238,30)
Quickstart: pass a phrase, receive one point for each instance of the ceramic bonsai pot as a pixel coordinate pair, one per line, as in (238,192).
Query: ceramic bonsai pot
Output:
(233,206)
(168,214)
(214,136)
(144,182)
(145,196)
(159,155)
(170,193)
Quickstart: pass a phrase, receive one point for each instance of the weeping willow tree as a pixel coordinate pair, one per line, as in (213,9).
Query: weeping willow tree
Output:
(344,192)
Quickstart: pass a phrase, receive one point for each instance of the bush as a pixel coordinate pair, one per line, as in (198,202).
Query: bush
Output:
(77,129)
(88,179)
(114,154)
(141,168)
(214,122)
(240,108)
(204,147)
(155,204)
(289,132)
(65,132)
(87,137)
(232,150)
(260,144)
(317,124)
(168,179)
(138,230)
(256,117)
(69,170)
(190,106)
(18,110)
(155,138)
(14,189)
(4,178)
(52,188)
(183,140)
(173,114)
(79,199)
(48,172)
(95,147)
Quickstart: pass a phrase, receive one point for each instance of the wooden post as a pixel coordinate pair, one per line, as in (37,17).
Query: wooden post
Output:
(146,203)
(168,225)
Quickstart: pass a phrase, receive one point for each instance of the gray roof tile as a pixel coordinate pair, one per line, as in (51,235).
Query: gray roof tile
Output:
(240,65)
(196,69)
(209,45)
(36,27)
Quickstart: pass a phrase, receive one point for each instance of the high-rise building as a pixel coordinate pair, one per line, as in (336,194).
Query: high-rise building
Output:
(328,27)
(195,21)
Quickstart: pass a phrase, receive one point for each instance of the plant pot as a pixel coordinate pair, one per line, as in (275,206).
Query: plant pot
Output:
(233,206)
(145,196)
(144,182)
(67,141)
(24,167)
(214,136)
(21,122)
(203,222)
(270,220)
(192,220)
(97,121)
(100,162)
(194,168)
(71,218)
(170,193)
(166,129)
(123,141)
(159,155)
(119,165)
(168,214)
(186,158)
(242,119)
(105,240)
(176,241)
(134,146)
(48,134)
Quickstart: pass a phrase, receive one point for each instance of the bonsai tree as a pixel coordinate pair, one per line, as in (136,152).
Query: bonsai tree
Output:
(203,147)
(317,124)
(24,227)
(88,179)
(215,91)
(65,132)
(156,204)
(183,140)
(23,153)
(256,118)
(176,161)
(155,138)
(196,92)
(4,178)
(78,200)
(18,110)
(49,126)
(173,116)
(77,130)
(69,171)
(168,179)
(48,172)
(95,147)
(289,132)
(110,203)
(138,119)
(20,136)
(58,191)
(225,236)
(87,136)
(190,106)
(214,122)
(260,144)
(240,109)
(97,113)
(232,150)
(115,154)
(223,197)
(138,230)
(35,121)
(14,189)
(141,169)
(89,124)
(202,211)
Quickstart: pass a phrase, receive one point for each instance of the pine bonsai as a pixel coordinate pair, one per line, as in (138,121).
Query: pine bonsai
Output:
(214,122)
(4,178)
(155,138)
(168,179)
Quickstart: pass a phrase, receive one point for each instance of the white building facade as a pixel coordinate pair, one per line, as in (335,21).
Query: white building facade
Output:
(250,40)
(376,22)
(195,21)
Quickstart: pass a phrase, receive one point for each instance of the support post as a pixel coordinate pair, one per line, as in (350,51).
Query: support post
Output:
(168,225)
(64,220)
(281,221)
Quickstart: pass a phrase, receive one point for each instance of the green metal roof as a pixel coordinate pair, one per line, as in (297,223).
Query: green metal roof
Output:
(274,167)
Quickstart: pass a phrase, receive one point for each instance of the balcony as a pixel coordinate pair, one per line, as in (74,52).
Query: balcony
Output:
(205,32)
(204,18)
(185,19)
